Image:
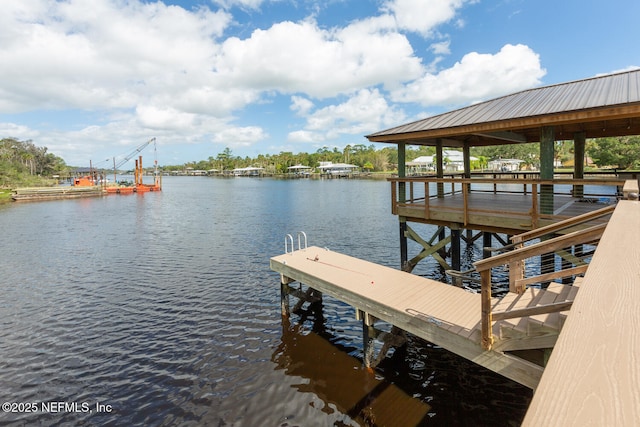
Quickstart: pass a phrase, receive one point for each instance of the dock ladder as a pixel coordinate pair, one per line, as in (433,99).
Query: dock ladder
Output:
(288,239)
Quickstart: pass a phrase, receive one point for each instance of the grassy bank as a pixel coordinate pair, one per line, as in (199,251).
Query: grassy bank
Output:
(5,195)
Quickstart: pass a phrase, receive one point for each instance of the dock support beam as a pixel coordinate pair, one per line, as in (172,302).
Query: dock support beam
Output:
(579,141)
(455,252)
(284,296)
(487,241)
(395,338)
(547,157)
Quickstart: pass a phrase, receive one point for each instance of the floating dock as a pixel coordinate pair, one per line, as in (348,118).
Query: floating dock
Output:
(33,194)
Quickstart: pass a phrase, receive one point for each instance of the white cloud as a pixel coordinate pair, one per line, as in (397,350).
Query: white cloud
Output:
(305,136)
(243,4)
(149,69)
(477,77)
(240,136)
(301,105)
(422,16)
(100,54)
(441,48)
(303,58)
(20,132)
(365,111)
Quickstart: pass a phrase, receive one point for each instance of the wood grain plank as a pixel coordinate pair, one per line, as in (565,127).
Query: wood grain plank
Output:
(593,374)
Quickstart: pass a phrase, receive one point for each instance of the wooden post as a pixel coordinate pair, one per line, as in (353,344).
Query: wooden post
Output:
(284,296)
(579,141)
(466,156)
(485,321)
(455,252)
(547,142)
(486,243)
(516,270)
(402,198)
(404,250)
(368,349)
(402,172)
(439,167)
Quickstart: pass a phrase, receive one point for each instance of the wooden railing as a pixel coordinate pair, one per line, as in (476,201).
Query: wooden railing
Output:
(520,252)
(421,192)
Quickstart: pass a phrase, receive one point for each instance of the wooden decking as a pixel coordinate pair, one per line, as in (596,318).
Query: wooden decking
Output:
(514,206)
(593,375)
(437,312)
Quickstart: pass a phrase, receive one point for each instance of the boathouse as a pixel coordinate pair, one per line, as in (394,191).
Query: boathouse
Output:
(569,331)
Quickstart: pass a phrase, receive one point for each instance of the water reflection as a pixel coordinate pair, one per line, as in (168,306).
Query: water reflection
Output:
(340,380)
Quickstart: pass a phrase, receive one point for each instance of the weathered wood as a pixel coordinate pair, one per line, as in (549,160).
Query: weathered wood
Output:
(593,374)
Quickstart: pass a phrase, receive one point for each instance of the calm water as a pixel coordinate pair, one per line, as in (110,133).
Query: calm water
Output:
(161,307)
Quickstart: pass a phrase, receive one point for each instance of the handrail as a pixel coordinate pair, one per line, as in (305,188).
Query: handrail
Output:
(552,228)
(484,267)
(288,238)
(577,237)
(543,206)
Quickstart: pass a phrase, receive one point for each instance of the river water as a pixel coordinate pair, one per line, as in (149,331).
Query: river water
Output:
(160,309)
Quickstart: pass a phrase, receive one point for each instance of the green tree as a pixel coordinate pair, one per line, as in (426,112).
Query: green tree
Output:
(622,152)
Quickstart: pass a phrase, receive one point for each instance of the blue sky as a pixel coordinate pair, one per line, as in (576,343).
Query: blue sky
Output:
(93,79)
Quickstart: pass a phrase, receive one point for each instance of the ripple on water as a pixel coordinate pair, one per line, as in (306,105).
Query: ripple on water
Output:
(163,306)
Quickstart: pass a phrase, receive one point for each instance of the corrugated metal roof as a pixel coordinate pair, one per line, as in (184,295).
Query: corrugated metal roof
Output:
(597,92)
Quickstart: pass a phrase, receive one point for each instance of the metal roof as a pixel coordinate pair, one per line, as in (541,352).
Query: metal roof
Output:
(601,106)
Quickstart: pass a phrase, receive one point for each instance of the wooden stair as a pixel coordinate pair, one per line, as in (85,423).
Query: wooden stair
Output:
(535,331)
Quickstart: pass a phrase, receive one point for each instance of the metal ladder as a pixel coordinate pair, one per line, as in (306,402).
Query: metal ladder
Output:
(302,238)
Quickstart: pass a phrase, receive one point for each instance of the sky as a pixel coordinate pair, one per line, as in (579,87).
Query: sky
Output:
(91,80)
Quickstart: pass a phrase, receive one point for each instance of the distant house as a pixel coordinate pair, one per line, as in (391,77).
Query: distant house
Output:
(505,165)
(248,171)
(337,169)
(299,169)
(453,162)
(421,165)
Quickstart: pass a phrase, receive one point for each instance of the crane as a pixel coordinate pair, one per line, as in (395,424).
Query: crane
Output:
(130,156)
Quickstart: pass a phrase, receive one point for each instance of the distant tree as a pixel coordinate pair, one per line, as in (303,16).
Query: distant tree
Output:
(622,152)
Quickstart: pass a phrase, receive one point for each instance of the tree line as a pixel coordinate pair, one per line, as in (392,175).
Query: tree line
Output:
(618,152)
(24,163)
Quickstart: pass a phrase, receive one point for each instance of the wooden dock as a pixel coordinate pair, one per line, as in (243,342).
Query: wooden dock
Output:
(442,314)
(498,206)
(593,374)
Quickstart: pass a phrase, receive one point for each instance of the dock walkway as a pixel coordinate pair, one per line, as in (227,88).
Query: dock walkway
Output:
(442,314)
(593,374)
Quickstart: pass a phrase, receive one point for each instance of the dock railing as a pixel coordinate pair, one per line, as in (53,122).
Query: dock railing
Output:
(575,263)
(550,241)
(421,194)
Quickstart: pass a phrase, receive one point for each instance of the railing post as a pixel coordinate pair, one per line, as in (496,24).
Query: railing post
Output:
(394,198)
(485,294)
(465,204)
(427,196)
(534,206)
(516,269)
